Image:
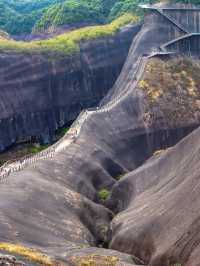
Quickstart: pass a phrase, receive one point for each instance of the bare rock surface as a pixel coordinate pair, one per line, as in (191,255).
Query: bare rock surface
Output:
(6,260)
(52,205)
(40,93)
(160,221)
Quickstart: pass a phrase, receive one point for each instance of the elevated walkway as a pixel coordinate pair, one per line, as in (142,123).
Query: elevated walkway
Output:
(160,53)
(160,10)
(186,36)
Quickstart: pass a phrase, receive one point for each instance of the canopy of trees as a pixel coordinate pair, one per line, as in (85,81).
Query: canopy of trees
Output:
(19,16)
(22,16)
(76,11)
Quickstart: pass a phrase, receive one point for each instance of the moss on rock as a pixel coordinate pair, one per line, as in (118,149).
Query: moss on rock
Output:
(103,194)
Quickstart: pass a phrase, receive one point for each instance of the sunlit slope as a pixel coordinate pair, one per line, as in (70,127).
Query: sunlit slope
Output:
(67,43)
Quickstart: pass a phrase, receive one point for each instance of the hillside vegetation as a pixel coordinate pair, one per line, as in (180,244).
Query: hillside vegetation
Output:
(87,11)
(18,17)
(25,16)
(91,11)
(67,43)
(73,11)
(160,83)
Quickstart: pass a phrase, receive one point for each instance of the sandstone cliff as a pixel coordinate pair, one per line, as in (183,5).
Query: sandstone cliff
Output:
(52,205)
(40,93)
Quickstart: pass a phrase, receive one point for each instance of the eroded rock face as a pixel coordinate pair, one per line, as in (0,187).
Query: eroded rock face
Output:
(51,205)
(58,218)
(9,260)
(40,93)
(160,221)
(4,35)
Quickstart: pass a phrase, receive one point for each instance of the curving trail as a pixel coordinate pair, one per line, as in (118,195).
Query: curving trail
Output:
(76,127)
(73,132)
(53,205)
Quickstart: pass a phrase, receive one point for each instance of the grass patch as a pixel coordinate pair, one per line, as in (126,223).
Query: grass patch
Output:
(94,260)
(61,132)
(35,149)
(30,254)
(103,194)
(67,43)
(21,150)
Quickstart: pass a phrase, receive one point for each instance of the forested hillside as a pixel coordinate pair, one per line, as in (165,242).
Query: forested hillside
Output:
(25,16)
(87,11)
(91,11)
(19,16)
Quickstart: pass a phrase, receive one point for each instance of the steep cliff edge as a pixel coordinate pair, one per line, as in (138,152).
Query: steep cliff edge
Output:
(39,94)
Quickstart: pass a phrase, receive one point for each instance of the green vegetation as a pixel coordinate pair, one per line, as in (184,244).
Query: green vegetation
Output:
(72,12)
(17,152)
(123,6)
(30,254)
(171,91)
(21,150)
(61,132)
(20,16)
(67,43)
(103,194)
(36,148)
(25,16)
(94,260)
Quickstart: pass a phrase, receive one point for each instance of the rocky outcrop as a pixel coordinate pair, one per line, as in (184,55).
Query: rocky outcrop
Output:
(160,219)
(51,205)
(6,260)
(40,93)
(4,35)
